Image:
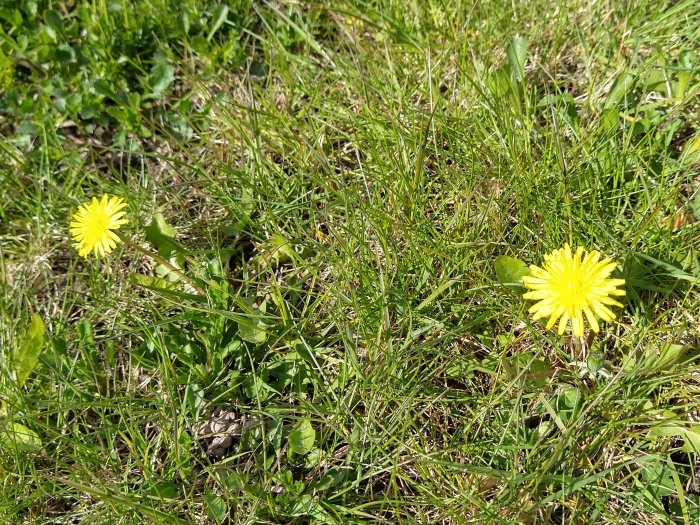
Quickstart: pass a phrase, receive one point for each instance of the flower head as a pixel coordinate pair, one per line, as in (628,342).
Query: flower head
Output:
(571,285)
(94,224)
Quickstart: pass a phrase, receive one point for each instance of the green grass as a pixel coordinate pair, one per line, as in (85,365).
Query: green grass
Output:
(340,182)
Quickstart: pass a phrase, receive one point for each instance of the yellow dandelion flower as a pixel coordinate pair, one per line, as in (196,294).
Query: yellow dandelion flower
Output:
(94,224)
(571,285)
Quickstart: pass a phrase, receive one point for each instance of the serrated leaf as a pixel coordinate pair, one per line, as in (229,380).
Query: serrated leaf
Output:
(510,270)
(19,437)
(302,437)
(26,357)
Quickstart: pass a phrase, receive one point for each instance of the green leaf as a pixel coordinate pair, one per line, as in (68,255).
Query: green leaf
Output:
(302,437)
(685,62)
(671,270)
(220,16)
(692,439)
(164,490)
(690,434)
(19,437)
(517,54)
(104,88)
(183,23)
(568,403)
(622,85)
(333,476)
(252,330)
(692,506)
(277,250)
(29,7)
(26,357)
(658,478)
(164,288)
(528,369)
(54,19)
(691,151)
(162,75)
(609,121)
(657,360)
(510,270)
(161,236)
(216,507)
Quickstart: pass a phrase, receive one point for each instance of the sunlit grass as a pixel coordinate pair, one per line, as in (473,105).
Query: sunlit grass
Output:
(336,186)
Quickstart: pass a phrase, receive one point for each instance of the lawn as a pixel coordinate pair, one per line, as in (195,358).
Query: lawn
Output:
(315,312)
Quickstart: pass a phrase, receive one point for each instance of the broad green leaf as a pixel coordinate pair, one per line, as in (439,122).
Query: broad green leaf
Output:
(54,19)
(692,439)
(161,236)
(609,120)
(302,437)
(622,85)
(657,360)
(658,477)
(690,433)
(499,82)
(691,151)
(164,490)
(217,509)
(257,389)
(510,270)
(26,357)
(528,369)
(162,75)
(685,62)
(104,88)
(332,477)
(277,250)
(568,403)
(220,16)
(29,7)
(165,288)
(517,54)
(16,436)
(252,330)
(183,23)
